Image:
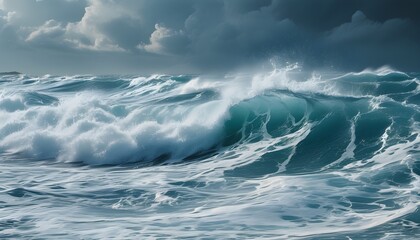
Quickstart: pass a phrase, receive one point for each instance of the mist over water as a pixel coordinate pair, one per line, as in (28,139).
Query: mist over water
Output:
(275,154)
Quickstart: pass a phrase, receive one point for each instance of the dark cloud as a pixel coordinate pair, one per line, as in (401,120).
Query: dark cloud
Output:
(209,35)
(363,42)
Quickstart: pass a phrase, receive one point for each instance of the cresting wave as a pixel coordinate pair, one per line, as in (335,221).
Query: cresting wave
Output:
(278,154)
(117,120)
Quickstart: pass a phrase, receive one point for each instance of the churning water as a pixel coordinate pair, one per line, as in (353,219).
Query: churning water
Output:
(269,155)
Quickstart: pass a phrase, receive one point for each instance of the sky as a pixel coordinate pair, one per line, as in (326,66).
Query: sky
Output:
(202,36)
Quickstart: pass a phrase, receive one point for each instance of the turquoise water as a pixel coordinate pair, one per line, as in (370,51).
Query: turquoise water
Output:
(274,155)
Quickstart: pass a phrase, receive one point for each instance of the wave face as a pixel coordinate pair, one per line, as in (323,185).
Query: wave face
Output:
(280,154)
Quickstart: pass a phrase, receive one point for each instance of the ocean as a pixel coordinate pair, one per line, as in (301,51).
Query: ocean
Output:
(279,154)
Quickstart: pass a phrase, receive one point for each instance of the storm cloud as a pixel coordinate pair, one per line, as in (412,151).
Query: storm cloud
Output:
(132,36)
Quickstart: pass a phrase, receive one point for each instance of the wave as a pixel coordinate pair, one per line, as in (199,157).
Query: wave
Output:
(115,120)
(280,153)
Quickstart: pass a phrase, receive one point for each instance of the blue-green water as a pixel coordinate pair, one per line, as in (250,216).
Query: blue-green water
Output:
(275,155)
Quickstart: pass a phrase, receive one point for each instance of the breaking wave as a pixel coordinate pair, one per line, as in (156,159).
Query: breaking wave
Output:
(348,144)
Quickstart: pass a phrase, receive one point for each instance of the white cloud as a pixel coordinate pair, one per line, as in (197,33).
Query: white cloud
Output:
(98,13)
(10,16)
(50,29)
(158,38)
(87,33)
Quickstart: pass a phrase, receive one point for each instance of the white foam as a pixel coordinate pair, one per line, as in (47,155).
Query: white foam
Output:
(83,128)
(349,152)
(381,71)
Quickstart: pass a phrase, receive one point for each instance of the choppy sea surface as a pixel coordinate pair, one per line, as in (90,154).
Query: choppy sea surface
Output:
(275,155)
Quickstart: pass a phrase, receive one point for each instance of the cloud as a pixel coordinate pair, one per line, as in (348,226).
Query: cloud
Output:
(50,29)
(87,33)
(219,35)
(83,34)
(7,32)
(362,41)
(32,13)
(362,29)
(9,17)
(165,41)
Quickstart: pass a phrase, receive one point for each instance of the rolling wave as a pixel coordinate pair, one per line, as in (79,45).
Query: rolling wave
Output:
(316,154)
